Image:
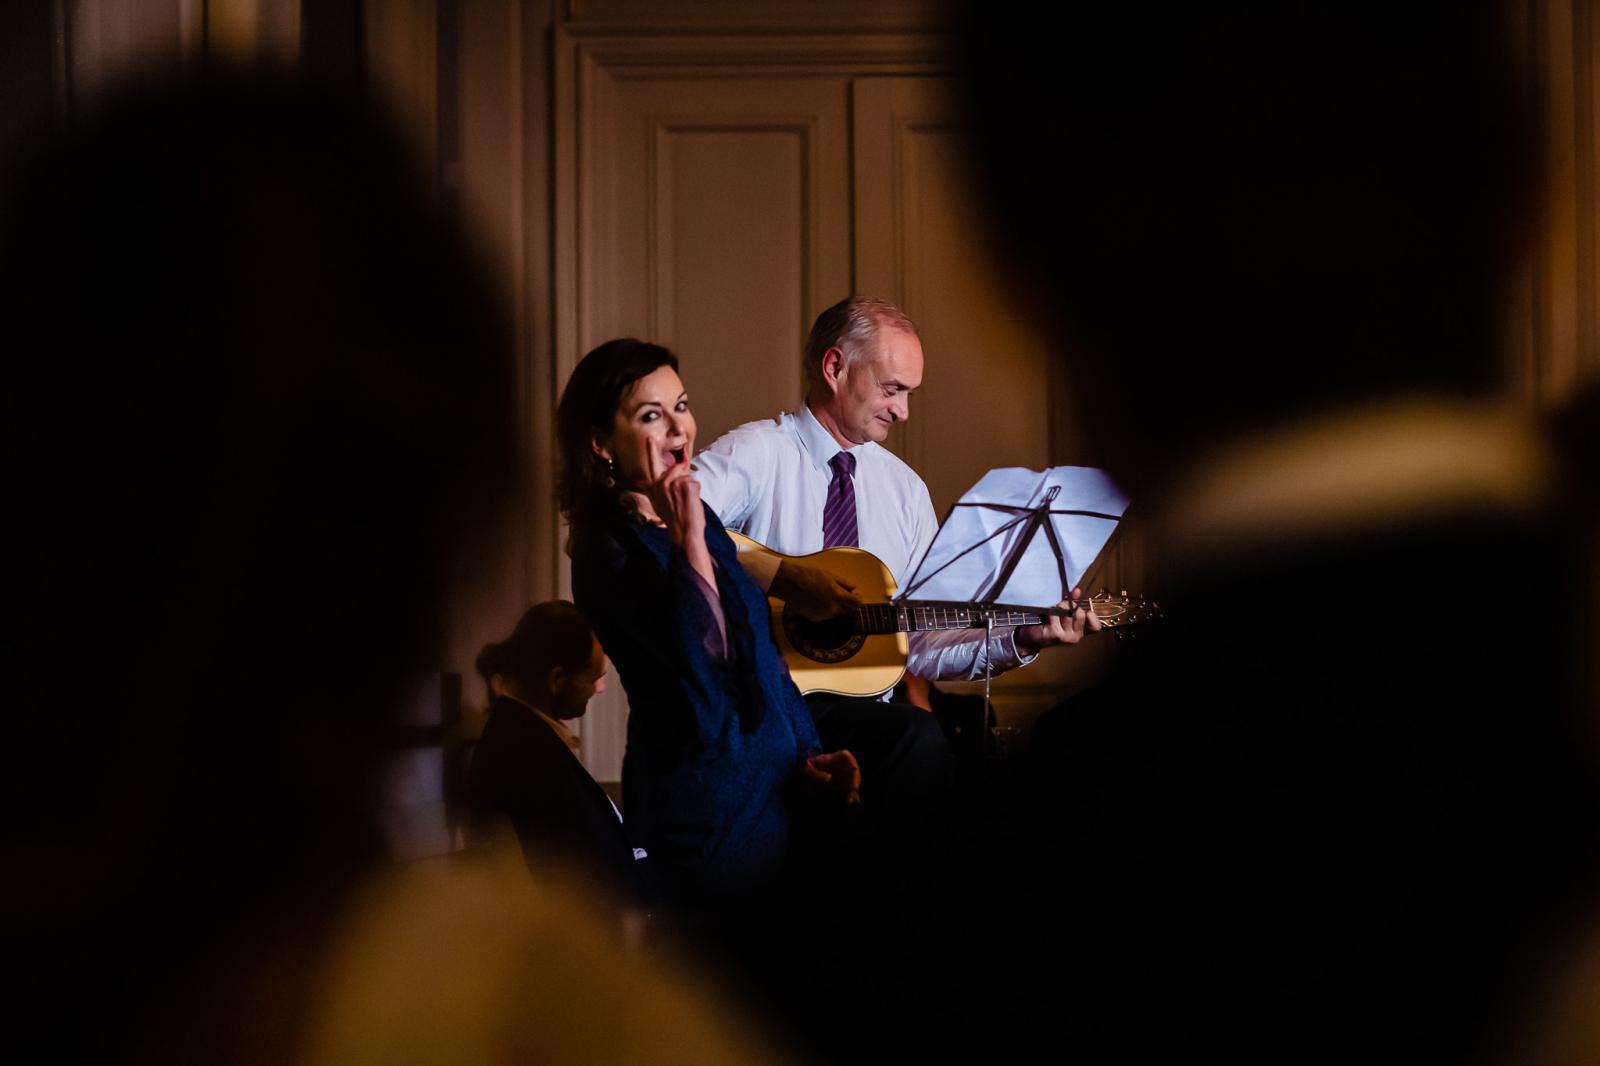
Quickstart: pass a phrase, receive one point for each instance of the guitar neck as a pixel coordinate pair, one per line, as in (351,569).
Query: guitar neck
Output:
(922,618)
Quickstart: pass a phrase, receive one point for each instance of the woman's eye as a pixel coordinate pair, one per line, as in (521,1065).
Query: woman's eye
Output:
(650,416)
(683,405)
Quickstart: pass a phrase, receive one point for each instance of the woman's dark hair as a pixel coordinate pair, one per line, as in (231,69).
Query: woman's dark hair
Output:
(550,634)
(587,405)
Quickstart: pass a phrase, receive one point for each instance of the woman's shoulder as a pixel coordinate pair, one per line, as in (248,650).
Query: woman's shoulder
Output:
(599,543)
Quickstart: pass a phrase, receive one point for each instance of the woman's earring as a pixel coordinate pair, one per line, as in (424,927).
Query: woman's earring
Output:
(611,472)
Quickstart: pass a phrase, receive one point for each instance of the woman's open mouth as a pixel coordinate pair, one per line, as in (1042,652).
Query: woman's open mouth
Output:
(675,456)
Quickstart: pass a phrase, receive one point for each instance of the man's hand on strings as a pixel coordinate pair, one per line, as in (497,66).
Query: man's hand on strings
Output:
(812,591)
(1060,629)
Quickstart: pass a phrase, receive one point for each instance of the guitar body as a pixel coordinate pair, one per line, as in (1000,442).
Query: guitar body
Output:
(831,656)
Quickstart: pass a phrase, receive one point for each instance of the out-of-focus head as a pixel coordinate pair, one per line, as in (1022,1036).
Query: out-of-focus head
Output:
(551,661)
(1233,215)
(257,396)
(862,361)
(623,418)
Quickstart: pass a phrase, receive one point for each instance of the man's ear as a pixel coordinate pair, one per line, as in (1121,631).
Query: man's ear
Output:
(598,445)
(497,685)
(833,367)
(555,679)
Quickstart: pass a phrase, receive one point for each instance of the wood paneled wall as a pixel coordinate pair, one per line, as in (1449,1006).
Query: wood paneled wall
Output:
(1555,311)
(700,173)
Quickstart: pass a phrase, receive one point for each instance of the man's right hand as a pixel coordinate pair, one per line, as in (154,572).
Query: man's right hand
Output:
(812,591)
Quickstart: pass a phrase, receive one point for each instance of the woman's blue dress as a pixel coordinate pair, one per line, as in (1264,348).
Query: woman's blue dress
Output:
(712,742)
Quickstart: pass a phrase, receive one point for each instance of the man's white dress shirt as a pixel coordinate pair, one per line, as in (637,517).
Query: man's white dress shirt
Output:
(769,480)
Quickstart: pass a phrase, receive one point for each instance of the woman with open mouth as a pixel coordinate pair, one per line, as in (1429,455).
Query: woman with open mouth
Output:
(718,737)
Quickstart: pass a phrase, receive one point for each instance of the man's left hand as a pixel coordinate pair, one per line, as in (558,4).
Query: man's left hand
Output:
(1060,629)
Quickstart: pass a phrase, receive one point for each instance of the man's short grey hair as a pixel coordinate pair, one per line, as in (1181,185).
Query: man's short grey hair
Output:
(852,326)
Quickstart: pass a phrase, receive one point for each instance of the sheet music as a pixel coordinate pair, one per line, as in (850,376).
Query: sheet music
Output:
(994,516)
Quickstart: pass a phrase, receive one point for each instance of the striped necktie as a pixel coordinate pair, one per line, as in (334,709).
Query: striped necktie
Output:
(839,513)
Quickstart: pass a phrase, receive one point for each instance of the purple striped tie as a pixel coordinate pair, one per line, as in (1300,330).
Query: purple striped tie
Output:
(839,513)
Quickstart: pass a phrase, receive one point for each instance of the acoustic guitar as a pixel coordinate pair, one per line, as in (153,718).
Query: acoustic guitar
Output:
(863,652)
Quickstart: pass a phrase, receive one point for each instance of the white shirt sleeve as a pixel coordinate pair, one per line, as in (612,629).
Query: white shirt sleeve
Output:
(959,654)
(728,472)
(955,654)
(724,472)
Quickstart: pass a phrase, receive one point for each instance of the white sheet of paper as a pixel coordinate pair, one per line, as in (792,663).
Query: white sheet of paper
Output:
(965,558)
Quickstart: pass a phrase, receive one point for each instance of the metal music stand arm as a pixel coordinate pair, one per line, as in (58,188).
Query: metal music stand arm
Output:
(984,739)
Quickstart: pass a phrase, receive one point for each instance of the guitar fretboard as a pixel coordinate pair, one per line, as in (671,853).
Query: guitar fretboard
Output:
(877,618)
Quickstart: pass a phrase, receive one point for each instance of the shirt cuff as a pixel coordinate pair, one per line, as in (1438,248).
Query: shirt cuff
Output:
(1016,652)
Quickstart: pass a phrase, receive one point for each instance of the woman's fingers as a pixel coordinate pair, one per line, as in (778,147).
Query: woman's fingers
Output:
(675,495)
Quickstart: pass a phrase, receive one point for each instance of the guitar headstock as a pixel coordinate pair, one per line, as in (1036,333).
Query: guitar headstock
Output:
(1118,610)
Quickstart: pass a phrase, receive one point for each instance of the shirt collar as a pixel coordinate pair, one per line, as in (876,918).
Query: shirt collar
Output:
(554,723)
(818,442)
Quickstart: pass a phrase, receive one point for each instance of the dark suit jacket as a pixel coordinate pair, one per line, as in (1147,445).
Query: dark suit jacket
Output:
(712,742)
(523,769)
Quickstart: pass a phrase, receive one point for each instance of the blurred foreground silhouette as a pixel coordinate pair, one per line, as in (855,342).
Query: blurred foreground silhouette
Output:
(1344,807)
(257,399)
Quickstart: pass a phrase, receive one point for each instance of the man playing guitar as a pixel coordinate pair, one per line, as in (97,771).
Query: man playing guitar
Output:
(820,478)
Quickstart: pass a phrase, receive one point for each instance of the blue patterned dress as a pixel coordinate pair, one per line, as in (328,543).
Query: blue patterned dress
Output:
(713,739)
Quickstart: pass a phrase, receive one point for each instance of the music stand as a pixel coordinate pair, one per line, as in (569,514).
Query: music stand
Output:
(989,554)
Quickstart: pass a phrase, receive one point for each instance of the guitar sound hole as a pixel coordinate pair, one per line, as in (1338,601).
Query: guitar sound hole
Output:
(832,641)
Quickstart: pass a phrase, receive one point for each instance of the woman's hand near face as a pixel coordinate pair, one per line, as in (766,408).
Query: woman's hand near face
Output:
(675,495)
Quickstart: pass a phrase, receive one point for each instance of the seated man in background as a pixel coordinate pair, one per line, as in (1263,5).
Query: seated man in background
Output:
(524,767)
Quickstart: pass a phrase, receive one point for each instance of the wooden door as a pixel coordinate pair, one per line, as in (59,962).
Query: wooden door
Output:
(714,194)
(703,201)
(920,243)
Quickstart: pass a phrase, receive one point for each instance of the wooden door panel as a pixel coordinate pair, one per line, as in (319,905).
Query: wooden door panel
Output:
(729,261)
(728,229)
(985,399)
(711,213)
